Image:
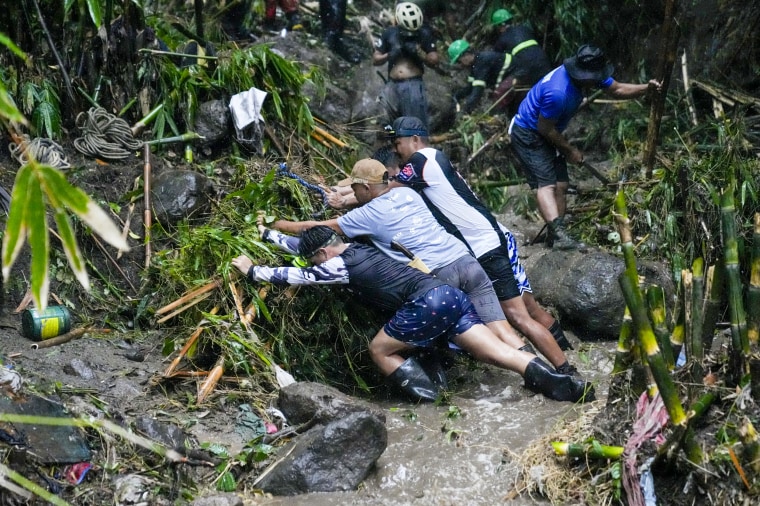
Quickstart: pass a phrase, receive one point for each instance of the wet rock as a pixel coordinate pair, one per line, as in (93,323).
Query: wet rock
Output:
(48,444)
(327,458)
(213,122)
(584,289)
(131,490)
(306,401)
(168,435)
(180,194)
(218,500)
(78,367)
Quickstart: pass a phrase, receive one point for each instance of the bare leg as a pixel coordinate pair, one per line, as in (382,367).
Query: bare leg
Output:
(384,351)
(486,347)
(536,312)
(506,334)
(547,203)
(542,339)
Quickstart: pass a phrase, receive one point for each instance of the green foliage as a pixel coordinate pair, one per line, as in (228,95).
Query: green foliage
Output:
(41,101)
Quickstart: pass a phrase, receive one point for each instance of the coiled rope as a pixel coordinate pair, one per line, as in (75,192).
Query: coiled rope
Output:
(45,151)
(105,136)
(283,171)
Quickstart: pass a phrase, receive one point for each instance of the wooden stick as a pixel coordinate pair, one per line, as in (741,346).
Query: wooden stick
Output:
(65,338)
(146,195)
(320,139)
(184,308)
(189,295)
(482,148)
(270,133)
(188,344)
(128,221)
(211,380)
(687,90)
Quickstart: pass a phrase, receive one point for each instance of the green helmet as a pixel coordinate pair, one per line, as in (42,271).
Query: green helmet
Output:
(500,16)
(457,49)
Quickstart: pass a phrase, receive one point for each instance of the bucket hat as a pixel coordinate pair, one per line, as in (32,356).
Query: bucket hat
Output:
(588,64)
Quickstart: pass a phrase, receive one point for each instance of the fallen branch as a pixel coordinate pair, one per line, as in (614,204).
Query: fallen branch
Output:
(190,342)
(189,296)
(65,338)
(211,380)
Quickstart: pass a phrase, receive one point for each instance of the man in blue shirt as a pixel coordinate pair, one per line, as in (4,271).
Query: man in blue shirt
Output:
(536,131)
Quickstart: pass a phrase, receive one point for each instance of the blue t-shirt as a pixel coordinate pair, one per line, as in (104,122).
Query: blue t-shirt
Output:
(554,97)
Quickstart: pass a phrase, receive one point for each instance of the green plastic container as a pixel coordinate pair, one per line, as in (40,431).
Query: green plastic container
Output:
(39,325)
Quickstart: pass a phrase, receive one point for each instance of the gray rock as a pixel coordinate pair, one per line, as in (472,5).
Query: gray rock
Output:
(179,195)
(584,289)
(329,458)
(213,121)
(305,401)
(218,500)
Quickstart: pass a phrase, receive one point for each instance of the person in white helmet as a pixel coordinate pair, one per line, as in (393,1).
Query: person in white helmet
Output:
(406,47)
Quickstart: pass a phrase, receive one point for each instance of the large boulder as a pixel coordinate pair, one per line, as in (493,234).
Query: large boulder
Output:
(179,195)
(307,401)
(329,458)
(584,289)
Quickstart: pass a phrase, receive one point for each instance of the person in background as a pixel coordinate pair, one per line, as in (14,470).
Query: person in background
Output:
(488,69)
(428,312)
(516,63)
(460,211)
(536,131)
(289,8)
(332,14)
(406,47)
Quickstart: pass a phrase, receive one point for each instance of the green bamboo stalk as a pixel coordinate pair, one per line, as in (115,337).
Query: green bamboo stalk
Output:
(751,452)
(623,353)
(8,473)
(658,316)
(157,448)
(697,314)
(739,339)
(654,358)
(679,329)
(753,293)
(714,282)
(687,296)
(626,237)
(591,451)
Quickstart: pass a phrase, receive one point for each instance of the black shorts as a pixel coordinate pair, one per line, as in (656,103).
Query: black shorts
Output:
(498,267)
(542,164)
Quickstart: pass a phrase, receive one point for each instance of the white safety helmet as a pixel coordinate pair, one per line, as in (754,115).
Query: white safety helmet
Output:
(409,16)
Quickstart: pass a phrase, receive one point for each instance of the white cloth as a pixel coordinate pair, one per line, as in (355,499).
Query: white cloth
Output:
(246,107)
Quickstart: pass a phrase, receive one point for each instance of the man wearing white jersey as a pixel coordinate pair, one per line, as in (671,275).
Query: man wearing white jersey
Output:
(460,211)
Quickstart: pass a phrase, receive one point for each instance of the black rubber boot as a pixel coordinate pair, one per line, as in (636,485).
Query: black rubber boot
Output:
(431,364)
(414,381)
(540,377)
(559,336)
(566,368)
(560,238)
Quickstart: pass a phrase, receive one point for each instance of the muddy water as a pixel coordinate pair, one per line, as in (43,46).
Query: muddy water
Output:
(458,454)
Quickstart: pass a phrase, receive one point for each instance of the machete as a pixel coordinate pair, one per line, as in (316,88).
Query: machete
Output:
(415,260)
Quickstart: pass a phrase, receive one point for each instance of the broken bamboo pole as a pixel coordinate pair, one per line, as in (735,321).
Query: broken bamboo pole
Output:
(185,307)
(169,371)
(189,296)
(146,196)
(211,380)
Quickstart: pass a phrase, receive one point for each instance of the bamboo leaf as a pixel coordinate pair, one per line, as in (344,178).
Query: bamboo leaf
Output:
(4,40)
(39,242)
(96,12)
(8,108)
(16,228)
(71,248)
(63,193)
